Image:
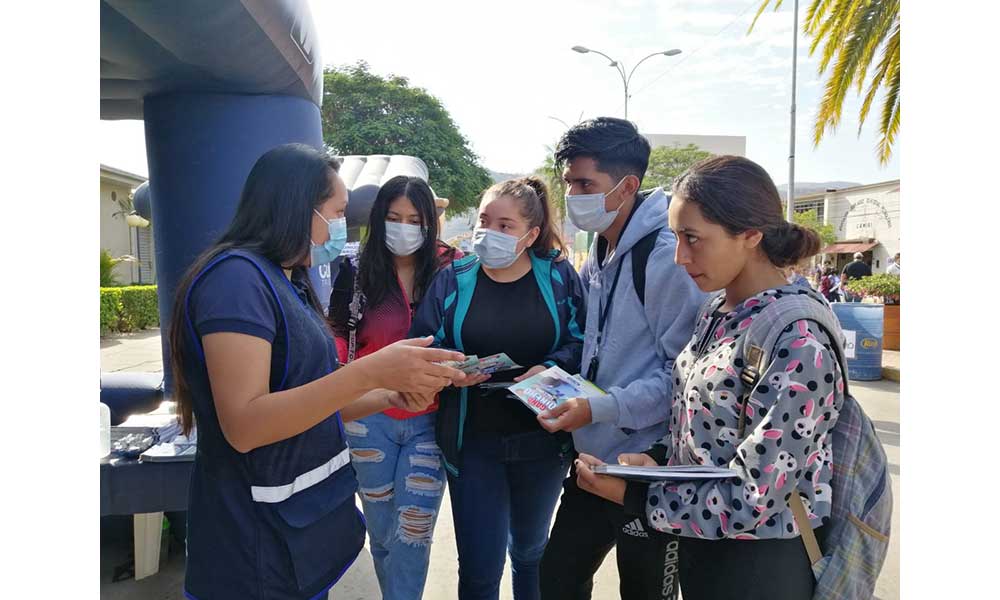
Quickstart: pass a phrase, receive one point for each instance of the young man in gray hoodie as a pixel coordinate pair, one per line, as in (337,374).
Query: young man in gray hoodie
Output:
(629,350)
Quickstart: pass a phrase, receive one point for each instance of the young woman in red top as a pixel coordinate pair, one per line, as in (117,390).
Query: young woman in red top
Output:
(397,461)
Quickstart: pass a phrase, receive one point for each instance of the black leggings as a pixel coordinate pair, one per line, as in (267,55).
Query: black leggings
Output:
(746,569)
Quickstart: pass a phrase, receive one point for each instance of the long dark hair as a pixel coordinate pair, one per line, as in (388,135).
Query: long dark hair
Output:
(376,266)
(739,195)
(273,219)
(532,197)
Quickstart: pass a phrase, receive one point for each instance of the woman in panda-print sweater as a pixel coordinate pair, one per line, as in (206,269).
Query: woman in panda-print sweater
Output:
(738,536)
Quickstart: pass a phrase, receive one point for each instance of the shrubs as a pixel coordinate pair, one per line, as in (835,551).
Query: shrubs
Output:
(108,277)
(882,286)
(128,308)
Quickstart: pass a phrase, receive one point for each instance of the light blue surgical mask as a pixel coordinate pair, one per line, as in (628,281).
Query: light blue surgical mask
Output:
(587,211)
(496,250)
(329,250)
(404,239)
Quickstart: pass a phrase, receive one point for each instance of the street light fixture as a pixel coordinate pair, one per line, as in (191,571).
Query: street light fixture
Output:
(621,69)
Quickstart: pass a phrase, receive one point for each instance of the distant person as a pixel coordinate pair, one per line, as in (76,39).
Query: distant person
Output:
(856,269)
(894,266)
(796,276)
(817,273)
(829,285)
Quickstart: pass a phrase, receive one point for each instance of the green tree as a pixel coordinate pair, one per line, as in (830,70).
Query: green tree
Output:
(666,163)
(810,220)
(851,33)
(552,176)
(364,113)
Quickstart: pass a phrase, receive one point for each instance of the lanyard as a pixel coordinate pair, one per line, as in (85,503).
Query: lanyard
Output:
(602,317)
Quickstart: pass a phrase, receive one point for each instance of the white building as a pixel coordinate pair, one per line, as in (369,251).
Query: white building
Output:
(117,237)
(865,219)
(716,144)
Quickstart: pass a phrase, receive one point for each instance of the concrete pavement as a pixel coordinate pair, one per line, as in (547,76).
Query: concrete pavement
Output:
(141,352)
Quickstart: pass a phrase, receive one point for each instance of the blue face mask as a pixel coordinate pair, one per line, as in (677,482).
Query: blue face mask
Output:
(404,239)
(329,250)
(587,211)
(496,250)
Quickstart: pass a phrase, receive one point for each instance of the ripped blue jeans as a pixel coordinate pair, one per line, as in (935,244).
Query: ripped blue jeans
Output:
(401,481)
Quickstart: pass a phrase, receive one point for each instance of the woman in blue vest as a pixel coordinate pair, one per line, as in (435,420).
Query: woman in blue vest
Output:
(504,471)
(271,513)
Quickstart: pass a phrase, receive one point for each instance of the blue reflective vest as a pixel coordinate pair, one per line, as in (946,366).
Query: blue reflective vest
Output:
(278,522)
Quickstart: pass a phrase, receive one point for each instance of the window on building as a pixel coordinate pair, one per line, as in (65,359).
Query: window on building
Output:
(144,250)
(807,205)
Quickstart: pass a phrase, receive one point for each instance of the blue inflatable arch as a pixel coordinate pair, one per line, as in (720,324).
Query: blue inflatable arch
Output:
(218,84)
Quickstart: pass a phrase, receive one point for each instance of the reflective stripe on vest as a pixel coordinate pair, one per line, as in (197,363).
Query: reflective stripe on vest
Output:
(280,493)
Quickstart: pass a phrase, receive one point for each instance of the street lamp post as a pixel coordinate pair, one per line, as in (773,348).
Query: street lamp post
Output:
(621,69)
(790,208)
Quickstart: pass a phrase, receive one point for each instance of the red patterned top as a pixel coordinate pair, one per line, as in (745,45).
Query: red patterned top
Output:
(385,324)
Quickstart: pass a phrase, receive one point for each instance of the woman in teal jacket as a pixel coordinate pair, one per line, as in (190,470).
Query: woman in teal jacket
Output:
(515,296)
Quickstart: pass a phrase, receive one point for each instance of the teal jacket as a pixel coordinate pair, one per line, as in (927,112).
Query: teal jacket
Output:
(442,313)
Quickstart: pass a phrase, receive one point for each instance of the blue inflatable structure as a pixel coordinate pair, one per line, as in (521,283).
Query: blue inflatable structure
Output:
(218,84)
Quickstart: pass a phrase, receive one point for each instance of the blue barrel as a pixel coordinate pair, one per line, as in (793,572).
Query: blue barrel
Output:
(862,325)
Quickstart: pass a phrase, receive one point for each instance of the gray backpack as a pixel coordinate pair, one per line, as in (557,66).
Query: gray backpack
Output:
(857,534)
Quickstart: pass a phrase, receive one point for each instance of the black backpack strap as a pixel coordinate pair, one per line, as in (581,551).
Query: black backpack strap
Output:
(355,309)
(640,257)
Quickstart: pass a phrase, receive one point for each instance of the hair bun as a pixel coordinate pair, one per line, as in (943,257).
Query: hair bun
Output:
(788,243)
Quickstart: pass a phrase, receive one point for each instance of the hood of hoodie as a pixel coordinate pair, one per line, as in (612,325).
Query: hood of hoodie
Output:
(651,214)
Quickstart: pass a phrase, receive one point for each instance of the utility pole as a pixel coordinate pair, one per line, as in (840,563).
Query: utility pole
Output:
(790,209)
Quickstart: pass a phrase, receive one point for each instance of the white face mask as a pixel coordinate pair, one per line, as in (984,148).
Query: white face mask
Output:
(403,239)
(587,211)
(496,250)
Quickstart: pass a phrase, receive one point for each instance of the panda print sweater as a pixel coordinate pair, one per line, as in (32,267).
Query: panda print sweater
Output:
(785,448)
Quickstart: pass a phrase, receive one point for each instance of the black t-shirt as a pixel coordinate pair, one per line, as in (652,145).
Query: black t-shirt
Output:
(857,270)
(513,318)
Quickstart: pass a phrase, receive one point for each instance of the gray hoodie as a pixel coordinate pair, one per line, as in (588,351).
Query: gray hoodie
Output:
(639,343)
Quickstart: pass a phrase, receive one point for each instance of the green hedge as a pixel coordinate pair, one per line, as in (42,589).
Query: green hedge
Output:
(128,308)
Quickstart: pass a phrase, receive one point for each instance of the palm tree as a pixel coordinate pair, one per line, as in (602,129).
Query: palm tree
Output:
(851,33)
(552,176)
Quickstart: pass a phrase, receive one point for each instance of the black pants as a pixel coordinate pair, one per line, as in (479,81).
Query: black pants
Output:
(586,529)
(746,569)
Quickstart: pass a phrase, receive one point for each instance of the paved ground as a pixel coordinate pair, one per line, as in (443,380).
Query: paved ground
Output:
(141,352)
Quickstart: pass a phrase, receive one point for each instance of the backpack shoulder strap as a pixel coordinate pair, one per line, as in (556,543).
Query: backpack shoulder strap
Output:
(640,258)
(758,343)
(769,325)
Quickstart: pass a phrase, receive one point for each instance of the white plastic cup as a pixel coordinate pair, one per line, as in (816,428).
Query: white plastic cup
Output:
(105,430)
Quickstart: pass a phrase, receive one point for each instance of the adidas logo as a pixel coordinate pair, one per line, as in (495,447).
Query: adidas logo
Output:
(635,529)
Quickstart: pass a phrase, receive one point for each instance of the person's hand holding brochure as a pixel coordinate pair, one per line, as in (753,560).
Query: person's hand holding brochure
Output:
(552,387)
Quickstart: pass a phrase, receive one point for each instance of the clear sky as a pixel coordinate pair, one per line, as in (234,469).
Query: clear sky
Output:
(503,69)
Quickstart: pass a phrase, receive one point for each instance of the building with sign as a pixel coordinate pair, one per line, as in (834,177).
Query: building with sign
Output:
(865,219)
